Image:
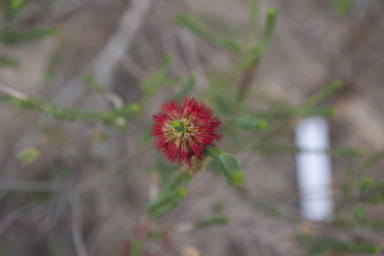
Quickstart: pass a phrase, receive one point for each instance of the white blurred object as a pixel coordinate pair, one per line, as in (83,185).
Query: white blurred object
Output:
(314,172)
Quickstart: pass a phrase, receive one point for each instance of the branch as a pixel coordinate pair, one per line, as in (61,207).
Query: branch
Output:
(12,92)
(121,40)
(76,226)
(30,185)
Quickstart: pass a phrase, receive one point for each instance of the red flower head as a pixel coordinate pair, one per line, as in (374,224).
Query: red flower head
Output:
(182,132)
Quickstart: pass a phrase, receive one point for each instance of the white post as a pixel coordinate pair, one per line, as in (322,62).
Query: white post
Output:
(314,169)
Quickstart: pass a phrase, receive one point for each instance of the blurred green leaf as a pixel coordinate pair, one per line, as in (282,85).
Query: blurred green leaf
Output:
(18,4)
(91,82)
(216,220)
(28,155)
(13,36)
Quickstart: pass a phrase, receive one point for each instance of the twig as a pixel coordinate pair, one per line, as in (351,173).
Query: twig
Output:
(12,92)
(98,179)
(121,40)
(77,225)
(133,68)
(146,52)
(72,92)
(192,55)
(12,216)
(30,185)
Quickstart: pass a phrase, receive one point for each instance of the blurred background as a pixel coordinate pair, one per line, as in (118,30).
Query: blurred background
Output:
(80,188)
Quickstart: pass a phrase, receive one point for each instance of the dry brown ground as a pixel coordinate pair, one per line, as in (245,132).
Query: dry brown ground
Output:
(311,47)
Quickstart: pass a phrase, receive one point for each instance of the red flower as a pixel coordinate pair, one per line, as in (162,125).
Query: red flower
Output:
(184,131)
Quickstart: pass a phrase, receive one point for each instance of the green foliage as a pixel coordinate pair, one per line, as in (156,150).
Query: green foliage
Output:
(321,95)
(29,155)
(9,62)
(165,203)
(257,51)
(250,124)
(318,245)
(370,162)
(181,180)
(216,220)
(342,7)
(53,62)
(137,247)
(253,23)
(71,114)
(360,217)
(11,8)
(269,28)
(91,82)
(200,30)
(15,36)
(153,83)
(365,186)
(170,196)
(18,4)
